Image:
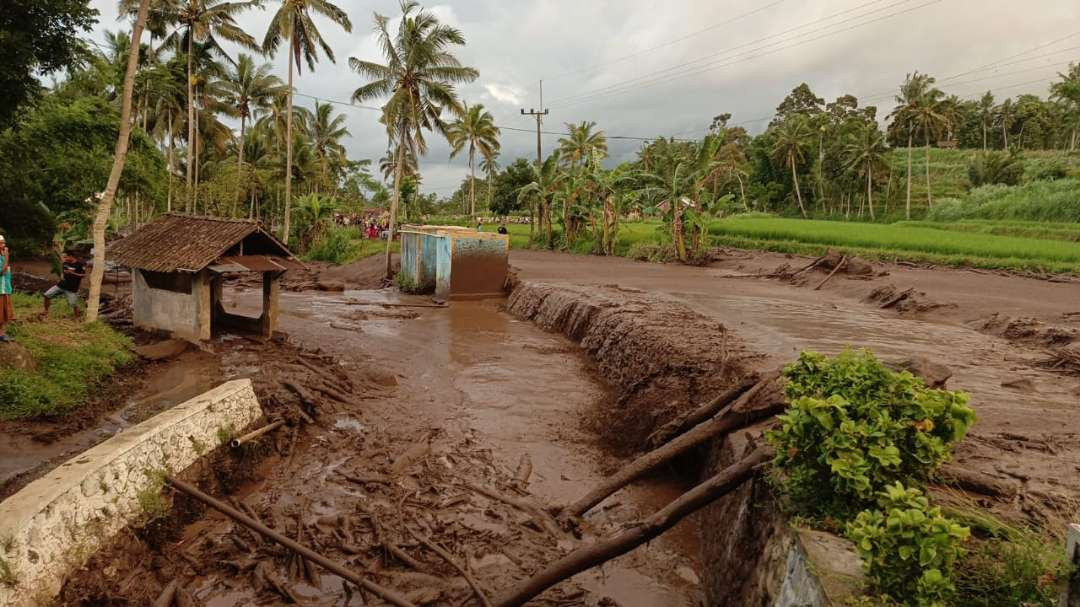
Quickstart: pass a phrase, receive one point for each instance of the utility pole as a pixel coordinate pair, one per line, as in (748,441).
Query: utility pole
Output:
(539,115)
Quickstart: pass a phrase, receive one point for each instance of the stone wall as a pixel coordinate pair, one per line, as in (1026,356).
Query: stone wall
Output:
(55,523)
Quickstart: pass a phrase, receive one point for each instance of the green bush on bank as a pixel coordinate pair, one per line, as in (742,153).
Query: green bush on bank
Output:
(1048,200)
(854,448)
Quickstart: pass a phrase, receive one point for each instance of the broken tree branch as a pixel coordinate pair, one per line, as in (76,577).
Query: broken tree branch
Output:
(731,419)
(604,550)
(165,599)
(542,519)
(681,424)
(446,556)
(836,268)
(331,566)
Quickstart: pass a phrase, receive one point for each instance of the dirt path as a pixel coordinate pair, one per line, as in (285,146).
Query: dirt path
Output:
(1028,427)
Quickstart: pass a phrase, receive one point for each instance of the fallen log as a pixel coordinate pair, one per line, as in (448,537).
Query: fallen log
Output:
(240,440)
(734,417)
(333,567)
(604,550)
(841,264)
(165,599)
(304,395)
(681,424)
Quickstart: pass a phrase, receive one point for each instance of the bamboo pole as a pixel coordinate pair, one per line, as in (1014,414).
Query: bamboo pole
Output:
(331,566)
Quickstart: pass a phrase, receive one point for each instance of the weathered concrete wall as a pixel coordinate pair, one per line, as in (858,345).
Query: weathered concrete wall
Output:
(56,522)
(185,315)
(479,263)
(753,556)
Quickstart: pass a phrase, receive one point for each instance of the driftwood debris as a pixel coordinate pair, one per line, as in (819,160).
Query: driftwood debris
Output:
(541,519)
(685,422)
(602,551)
(336,568)
(165,599)
(841,264)
(449,558)
(740,414)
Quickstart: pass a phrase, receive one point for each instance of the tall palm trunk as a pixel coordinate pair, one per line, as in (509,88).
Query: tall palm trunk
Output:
(795,178)
(1005,135)
(191,120)
(288,150)
(929,194)
(101,219)
(195,171)
(677,228)
(472,182)
(869,189)
(240,182)
(742,191)
(396,199)
(984,135)
(170,161)
(910,135)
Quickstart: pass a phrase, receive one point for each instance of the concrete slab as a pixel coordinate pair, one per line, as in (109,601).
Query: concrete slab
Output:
(54,524)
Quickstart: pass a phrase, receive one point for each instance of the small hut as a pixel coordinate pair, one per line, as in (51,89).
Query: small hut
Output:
(179,263)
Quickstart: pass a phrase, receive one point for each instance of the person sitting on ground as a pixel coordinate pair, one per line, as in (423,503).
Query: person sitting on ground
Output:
(74,270)
(7,309)
(502,228)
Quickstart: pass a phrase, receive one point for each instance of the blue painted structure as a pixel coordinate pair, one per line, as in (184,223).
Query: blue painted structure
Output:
(455,262)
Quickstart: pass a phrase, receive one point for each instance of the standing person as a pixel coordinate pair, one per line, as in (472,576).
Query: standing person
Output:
(74,270)
(7,309)
(502,228)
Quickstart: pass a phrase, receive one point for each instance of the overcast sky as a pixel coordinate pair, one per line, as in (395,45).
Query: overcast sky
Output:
(646,68)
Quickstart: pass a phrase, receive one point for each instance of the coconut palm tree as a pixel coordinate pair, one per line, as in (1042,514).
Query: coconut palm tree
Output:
(97,272)
(985,109)
(792,138)
(293,24)
(246,90)
(1067,92)
(419,78)
(931,118)
(475,127)
(582,144)
(201,21)
(912,94)
(489,164)
(325,130)
(539,194)
(1005,115)
(864,154)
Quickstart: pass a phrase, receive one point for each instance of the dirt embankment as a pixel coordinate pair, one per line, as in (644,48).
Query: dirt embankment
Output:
(661,357)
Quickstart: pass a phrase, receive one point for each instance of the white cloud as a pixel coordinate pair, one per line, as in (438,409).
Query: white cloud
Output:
(505,93)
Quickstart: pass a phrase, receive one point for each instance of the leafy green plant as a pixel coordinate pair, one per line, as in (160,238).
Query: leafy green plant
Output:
(334,245)
(854,427)
(996,167)
(1019,566)
(406,283)
(908,547)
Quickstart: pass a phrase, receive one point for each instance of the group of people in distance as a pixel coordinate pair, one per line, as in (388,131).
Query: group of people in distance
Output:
(374,231)
(72,273)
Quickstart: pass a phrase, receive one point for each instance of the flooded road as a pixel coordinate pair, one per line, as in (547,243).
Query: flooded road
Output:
(474,371)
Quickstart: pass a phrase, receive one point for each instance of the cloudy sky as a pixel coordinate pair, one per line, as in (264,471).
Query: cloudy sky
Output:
(646,68)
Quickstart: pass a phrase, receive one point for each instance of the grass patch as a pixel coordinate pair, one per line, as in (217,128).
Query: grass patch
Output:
(1027,229)
(1053,201)
(913,243)
(152,501)
(72,357)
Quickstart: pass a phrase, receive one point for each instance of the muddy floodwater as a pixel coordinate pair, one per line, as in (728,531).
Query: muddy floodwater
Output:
(474,371)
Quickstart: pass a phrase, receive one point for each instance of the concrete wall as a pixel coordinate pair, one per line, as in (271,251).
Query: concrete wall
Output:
(479,262)
(186,316)
(57,522)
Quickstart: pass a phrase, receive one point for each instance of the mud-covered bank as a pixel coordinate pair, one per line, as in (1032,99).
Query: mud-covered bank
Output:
(663,358)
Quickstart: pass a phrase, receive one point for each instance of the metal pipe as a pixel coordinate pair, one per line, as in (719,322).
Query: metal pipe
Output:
(331,566)
(240,440)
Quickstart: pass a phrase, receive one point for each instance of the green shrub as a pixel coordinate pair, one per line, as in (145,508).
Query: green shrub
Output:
(406,284)
(853,427)
(996,167)
(335,246)
(1057,200)
(908,547)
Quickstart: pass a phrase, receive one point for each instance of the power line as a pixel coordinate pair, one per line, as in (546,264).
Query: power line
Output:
(728,52)
(593,68)
(719,63)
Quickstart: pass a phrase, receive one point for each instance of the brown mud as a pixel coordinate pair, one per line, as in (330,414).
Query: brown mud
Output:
(1028,430)
(473,394)
(444,403)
